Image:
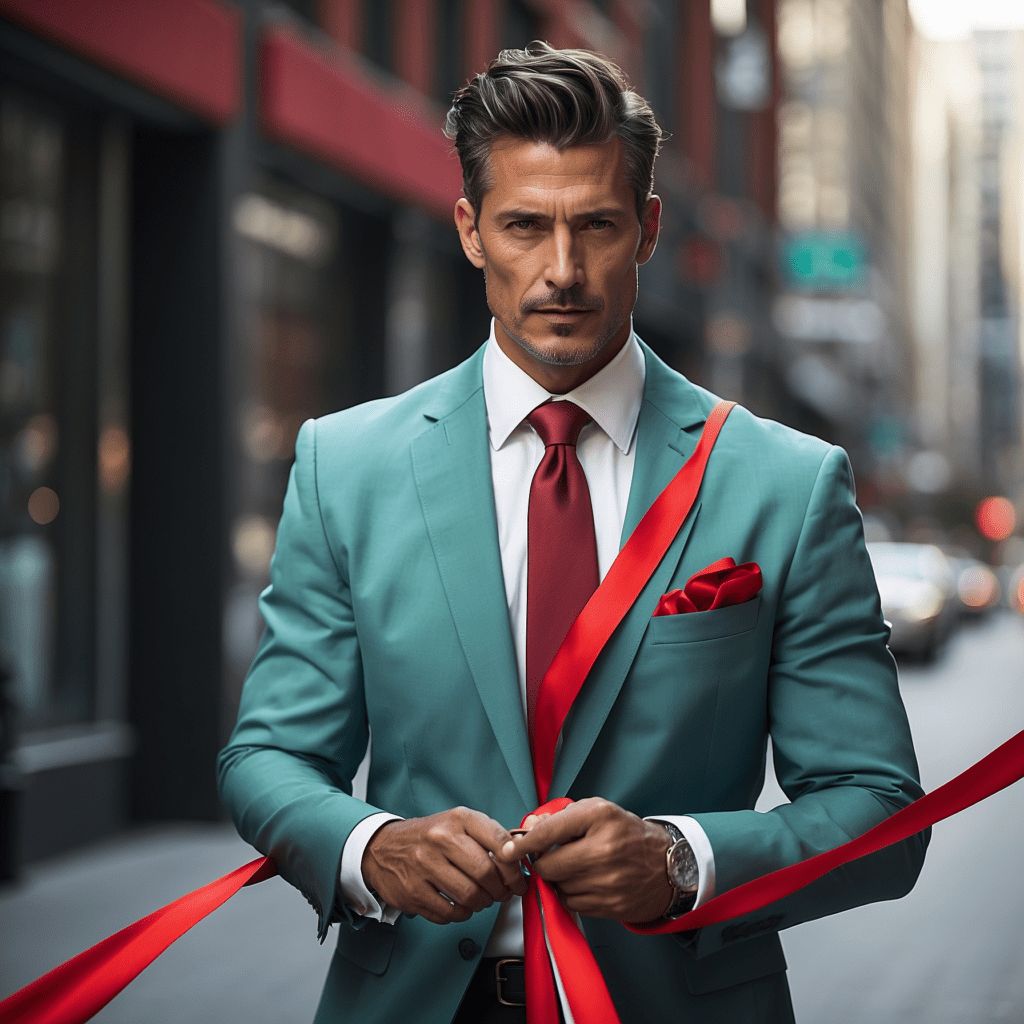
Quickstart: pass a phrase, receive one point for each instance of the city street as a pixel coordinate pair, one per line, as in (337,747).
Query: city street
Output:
(949,952)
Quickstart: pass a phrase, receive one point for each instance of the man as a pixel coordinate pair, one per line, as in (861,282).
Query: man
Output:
(420,586)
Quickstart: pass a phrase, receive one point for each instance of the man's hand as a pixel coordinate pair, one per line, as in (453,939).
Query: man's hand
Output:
(607,861)
(411,863)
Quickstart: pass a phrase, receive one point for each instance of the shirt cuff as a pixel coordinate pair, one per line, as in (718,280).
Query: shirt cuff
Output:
(353,887)
(701,846)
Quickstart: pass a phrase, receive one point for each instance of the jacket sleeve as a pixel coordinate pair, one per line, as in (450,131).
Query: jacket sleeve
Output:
(286,772)
(841,741)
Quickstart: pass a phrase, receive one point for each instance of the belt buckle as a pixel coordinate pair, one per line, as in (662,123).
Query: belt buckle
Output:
(500,980)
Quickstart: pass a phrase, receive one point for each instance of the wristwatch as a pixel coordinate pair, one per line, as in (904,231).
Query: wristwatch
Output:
(681,867)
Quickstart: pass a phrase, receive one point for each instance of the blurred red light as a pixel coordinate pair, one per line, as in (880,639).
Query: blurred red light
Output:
(1020,595)
(996,518)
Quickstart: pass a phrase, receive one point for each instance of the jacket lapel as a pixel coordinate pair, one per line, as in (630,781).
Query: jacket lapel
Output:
(673,410)
(453,477)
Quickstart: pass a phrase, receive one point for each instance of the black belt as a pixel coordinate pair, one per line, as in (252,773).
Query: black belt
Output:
(505,978)
(496,993)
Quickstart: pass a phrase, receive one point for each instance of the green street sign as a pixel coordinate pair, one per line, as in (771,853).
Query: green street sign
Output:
(825,261)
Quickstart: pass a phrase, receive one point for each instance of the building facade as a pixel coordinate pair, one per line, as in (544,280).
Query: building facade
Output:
(945,261)
(966,258)
(844,185)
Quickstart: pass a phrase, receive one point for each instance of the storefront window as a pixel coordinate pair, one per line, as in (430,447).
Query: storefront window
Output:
(32,150)
(64,436)
(293,362)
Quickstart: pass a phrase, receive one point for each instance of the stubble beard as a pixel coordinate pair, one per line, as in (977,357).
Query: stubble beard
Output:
(574,356)
(513,325)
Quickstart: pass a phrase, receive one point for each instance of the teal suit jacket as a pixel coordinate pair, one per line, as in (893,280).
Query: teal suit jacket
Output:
(386,611)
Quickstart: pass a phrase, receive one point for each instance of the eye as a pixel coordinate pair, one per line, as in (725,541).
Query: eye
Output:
(522,225)
(597,224)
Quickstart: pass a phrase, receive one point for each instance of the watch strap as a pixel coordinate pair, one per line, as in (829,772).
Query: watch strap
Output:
(683,899)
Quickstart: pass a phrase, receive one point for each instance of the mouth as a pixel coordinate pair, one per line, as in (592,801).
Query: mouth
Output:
(562,314)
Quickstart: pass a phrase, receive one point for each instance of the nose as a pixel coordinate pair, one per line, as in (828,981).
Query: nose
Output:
(564,265)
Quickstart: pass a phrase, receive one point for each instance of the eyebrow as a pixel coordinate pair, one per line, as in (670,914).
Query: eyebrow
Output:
(601,213)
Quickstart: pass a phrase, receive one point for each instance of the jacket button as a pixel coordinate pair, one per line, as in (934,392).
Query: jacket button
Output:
(467,949)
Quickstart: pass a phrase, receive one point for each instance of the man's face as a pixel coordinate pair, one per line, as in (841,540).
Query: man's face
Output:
(559,243)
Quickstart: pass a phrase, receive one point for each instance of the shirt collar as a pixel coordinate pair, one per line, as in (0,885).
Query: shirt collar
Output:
(612,396)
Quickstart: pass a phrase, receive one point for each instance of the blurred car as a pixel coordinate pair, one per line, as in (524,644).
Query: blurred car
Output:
(976,584)
(918,592)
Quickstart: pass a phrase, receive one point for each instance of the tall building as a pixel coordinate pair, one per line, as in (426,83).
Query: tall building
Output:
(946,207)
(843,205)
(712,75)
(998,56)
(968,176)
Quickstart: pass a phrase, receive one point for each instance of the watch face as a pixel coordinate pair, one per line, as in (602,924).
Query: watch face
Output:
(683,867)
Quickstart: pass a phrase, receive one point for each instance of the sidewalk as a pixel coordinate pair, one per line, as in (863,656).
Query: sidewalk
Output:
(254,960)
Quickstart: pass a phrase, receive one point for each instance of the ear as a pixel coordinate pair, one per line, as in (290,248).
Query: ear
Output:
(651,229)
(469,236)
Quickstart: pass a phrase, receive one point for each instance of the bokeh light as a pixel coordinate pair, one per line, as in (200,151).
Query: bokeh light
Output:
(37,442)
(995,518)
(264,435)
(252,542)
(729,17)
(43,505)
(978,586)
(114,458)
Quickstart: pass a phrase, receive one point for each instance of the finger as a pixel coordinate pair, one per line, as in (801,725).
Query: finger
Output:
(459,840)
(477,872)
(440,909)
(552,829)
(458,887)
(425,901)
(496,878)
(512,876)
(567,874)
(572,860)
(492,837)
(588,905)
(531,819)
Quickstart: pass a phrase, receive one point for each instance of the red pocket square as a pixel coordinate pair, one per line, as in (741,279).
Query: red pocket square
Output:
(719,585)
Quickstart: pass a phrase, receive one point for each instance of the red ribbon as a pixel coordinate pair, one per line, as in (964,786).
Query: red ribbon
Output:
(1002,768)
(633,566)
(588,995)
(82,986)
(79,988)
(581,977)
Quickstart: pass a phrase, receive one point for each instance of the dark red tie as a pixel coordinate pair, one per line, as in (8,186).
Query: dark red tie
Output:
(562,563)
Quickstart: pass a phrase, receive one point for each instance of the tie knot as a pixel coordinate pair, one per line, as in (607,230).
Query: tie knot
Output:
(558,422)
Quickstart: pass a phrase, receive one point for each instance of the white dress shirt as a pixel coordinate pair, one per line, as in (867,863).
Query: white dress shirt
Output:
(606,450)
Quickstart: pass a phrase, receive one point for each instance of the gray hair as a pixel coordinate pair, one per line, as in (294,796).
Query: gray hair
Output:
(560,97)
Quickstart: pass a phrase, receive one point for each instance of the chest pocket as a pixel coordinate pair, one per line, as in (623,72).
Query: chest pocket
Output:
(692,627)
